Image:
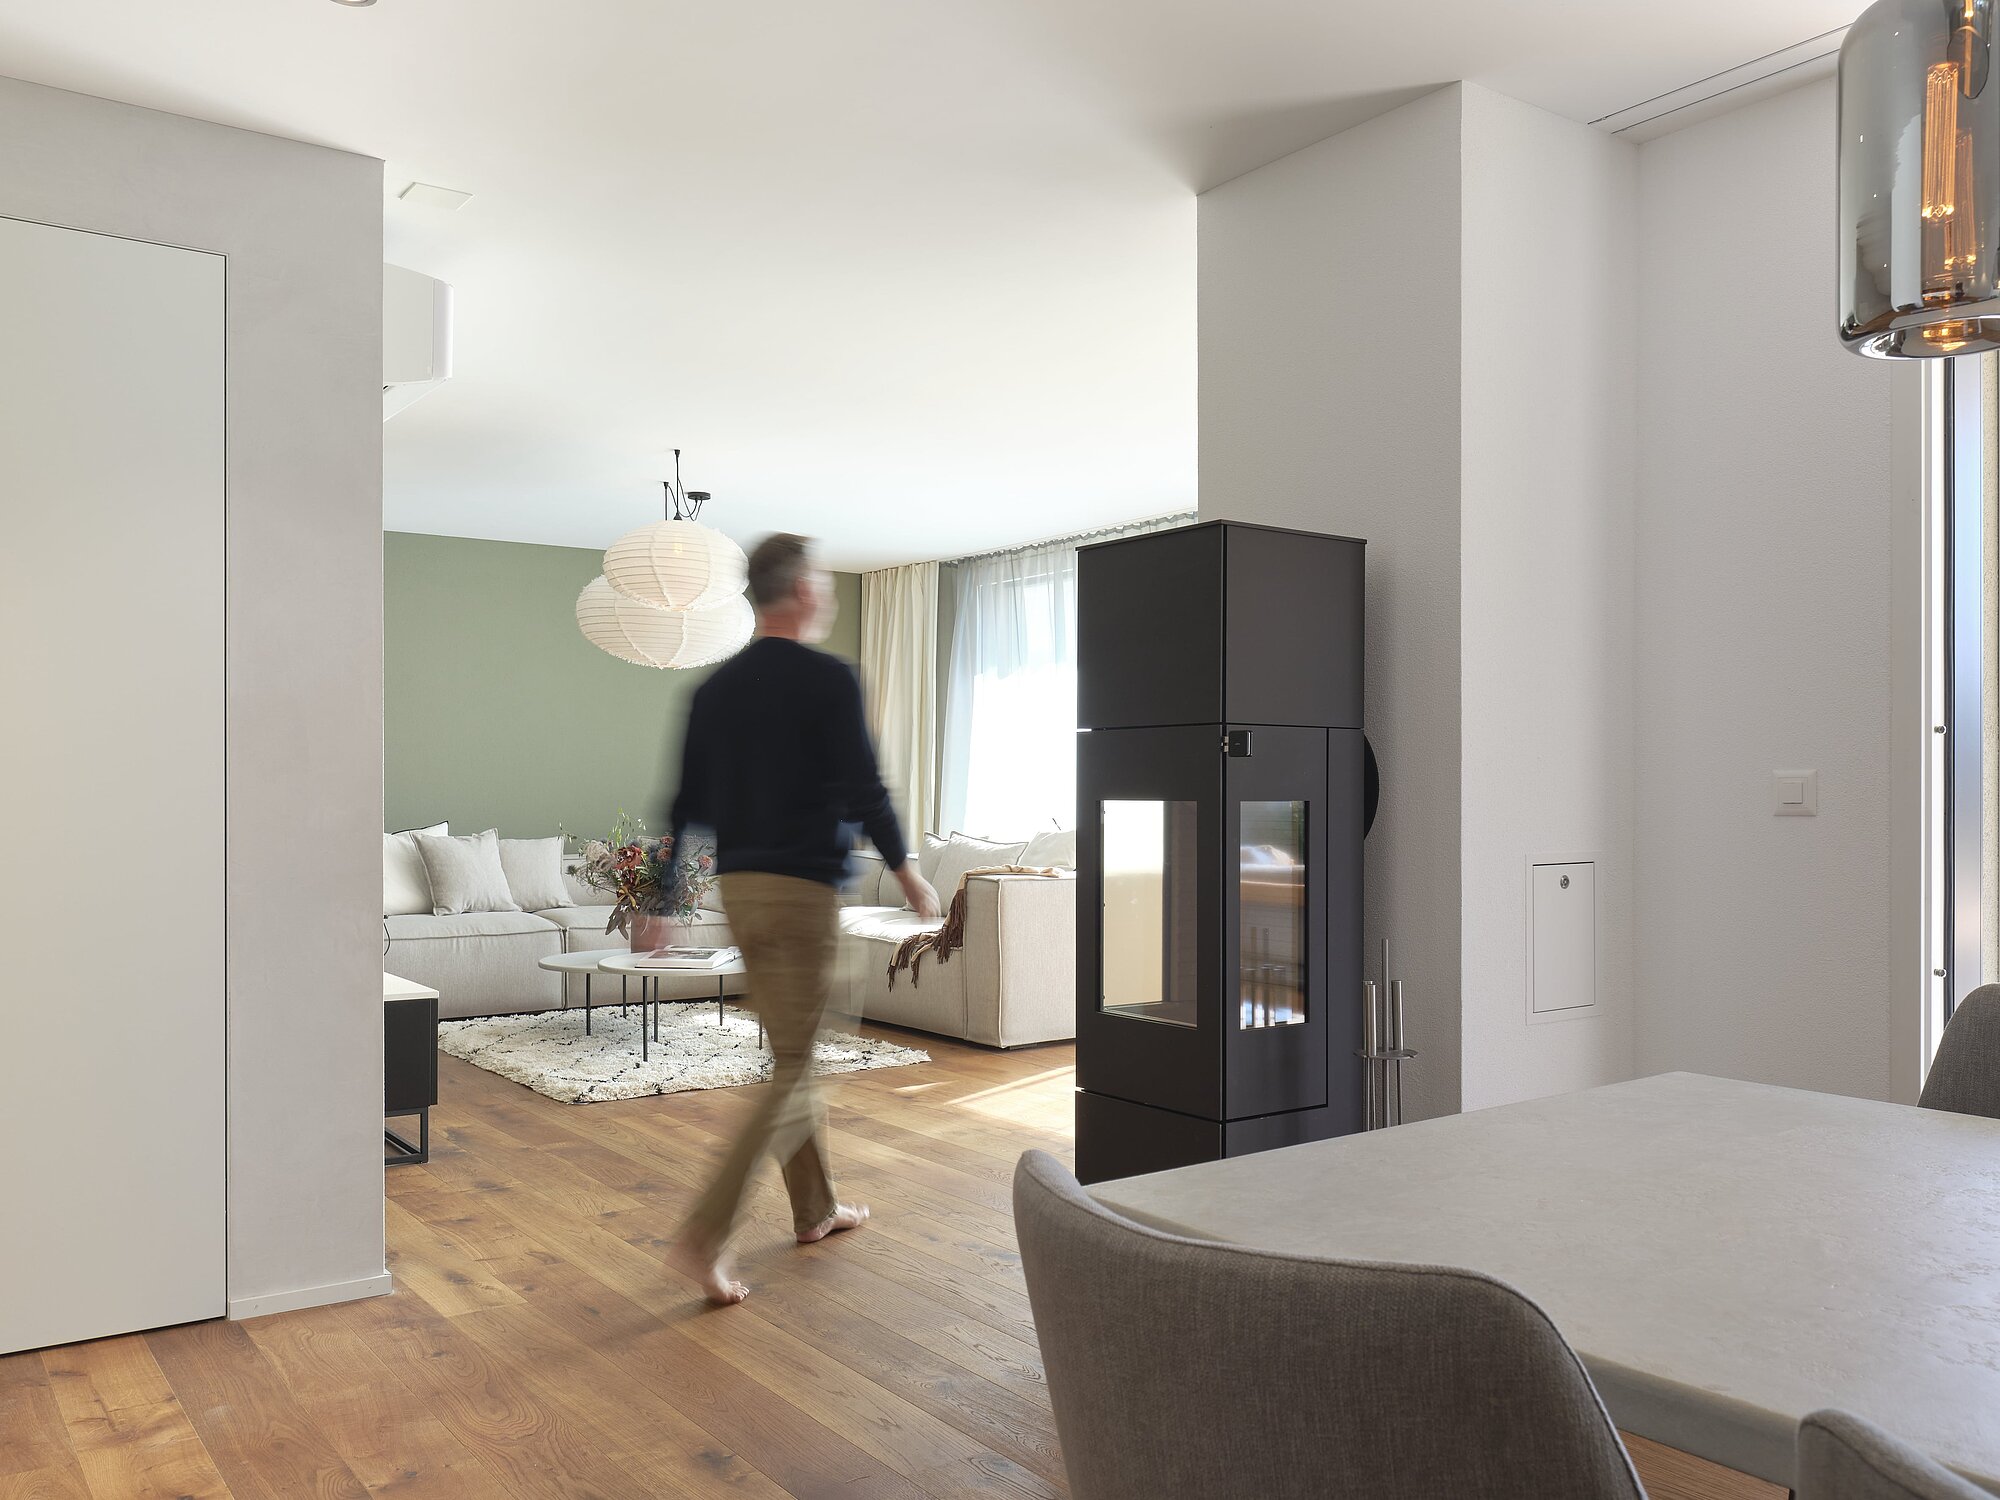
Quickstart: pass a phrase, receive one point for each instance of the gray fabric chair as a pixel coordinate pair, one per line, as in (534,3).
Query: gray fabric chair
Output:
(1182,1368)
(1965,1074)
(1844,1458)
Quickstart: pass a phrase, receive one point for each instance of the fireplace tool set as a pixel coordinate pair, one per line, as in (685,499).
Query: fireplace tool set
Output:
(1382,1051)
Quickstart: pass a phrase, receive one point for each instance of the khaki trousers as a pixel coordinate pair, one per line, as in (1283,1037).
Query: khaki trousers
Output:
(789,932)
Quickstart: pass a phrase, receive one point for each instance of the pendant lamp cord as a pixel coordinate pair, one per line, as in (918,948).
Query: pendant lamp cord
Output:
(681,506)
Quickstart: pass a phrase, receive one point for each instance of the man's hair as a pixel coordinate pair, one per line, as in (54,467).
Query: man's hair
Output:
(776,565)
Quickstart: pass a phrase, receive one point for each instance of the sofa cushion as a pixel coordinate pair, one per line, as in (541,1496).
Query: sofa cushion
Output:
(866,877)
(947,860)
(534,872)
(470,924)
(579,893)
(582,922)
(465,873)
(481,963)
(583,928)
(406,889)
(884,924)
(1054,850)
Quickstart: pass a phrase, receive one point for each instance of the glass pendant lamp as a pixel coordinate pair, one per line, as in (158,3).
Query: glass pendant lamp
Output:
(1920,180)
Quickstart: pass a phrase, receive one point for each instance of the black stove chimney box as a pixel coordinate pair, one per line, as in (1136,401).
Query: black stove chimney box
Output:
(1220,817)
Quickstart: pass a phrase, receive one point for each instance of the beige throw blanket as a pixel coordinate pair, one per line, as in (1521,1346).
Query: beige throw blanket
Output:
(949,938)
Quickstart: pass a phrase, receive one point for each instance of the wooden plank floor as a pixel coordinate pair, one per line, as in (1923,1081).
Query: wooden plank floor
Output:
(537,1346)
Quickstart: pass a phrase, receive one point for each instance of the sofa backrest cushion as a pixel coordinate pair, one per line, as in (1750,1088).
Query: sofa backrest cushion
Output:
(947,860)
(466,874)
(406,889)
(1054,850)
(534,871)
(866,877)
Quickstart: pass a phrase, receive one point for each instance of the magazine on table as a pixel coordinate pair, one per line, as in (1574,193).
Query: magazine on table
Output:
(696,959)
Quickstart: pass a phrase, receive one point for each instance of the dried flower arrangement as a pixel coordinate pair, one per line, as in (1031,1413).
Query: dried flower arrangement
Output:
(638,873)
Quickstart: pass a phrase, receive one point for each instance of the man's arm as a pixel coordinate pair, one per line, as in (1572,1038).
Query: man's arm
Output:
(857,781)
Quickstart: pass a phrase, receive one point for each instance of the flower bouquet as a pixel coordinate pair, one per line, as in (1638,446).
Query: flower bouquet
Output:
(639,874)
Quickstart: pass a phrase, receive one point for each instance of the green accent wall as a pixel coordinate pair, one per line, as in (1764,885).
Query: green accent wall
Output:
(499,714)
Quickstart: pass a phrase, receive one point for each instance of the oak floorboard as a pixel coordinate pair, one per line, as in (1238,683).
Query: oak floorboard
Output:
(390,1438)
(1670,1474)
(540,1437)
(33,1435)
(539,1346)
(131,1437)
(63,1483)
(262,1442)
(652,1351)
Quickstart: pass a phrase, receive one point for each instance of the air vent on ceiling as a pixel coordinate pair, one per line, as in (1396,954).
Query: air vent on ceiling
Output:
(1771,74)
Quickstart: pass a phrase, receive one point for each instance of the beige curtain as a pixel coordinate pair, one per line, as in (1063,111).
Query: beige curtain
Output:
(899,609)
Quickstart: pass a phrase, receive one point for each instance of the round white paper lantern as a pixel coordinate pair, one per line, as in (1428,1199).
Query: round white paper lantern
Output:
(597,618)
(651,637)
(676,565)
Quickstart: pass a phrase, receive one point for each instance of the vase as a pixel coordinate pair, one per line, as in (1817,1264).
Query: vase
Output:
(652,930)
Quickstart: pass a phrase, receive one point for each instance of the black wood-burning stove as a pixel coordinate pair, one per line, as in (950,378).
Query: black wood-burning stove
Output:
(1220,817)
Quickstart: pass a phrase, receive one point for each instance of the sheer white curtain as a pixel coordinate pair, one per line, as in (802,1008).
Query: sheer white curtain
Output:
(1010,698)
(899,621)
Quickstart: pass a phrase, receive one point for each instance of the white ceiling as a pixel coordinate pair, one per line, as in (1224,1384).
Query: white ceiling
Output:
(914,276)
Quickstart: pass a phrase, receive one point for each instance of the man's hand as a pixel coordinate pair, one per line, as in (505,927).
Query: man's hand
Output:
(917,891)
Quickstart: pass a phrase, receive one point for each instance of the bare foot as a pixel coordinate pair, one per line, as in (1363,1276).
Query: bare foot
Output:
(717,1285)
(844,1216)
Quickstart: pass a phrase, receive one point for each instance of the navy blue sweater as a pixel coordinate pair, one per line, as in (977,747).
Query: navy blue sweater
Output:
(779,766)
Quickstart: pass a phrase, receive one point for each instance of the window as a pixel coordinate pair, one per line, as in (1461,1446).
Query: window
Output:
(1010,702)
(1009,756)
(1964,795)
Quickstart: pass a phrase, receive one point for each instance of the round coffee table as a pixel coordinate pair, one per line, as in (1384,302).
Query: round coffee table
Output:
(596,961)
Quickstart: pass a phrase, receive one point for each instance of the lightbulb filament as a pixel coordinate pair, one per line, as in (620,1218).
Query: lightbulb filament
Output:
(1941,138)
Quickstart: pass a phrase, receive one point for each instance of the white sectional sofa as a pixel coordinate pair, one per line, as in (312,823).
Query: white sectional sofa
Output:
(1010,985)
(485,963)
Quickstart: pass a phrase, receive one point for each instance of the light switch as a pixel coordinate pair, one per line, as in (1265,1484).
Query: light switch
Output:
(1795,794)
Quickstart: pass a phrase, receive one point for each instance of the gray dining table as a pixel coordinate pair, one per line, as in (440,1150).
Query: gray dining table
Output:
(1725,1256)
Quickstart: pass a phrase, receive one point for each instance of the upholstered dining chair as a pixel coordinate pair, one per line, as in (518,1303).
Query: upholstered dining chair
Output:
(1842,1457)
(1965,1074)
(1180,1367)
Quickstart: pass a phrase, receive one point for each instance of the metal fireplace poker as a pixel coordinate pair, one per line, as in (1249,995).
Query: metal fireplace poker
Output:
(1382,1051)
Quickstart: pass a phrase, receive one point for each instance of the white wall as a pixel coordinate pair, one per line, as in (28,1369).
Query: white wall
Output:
(1764,616)
(1629,507)
(1548,411)
(1329,327)
(302,229)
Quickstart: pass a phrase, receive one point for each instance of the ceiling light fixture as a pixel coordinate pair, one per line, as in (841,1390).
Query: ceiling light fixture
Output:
(354,4)
(664,638)
(671,594)
(676,563)
(1920,180)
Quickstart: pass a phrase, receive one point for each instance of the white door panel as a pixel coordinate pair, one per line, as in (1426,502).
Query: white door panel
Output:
(111,785)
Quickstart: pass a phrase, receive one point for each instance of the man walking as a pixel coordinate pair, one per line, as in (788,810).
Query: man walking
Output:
(779,765)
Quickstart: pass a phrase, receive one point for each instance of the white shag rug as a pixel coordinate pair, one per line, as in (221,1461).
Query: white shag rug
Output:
(548,1051)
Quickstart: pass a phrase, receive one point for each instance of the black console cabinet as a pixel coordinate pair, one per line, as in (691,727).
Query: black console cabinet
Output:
(1220,795)
(409,1074)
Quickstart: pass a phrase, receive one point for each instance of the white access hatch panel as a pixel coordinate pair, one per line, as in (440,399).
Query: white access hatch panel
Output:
(1562,938)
